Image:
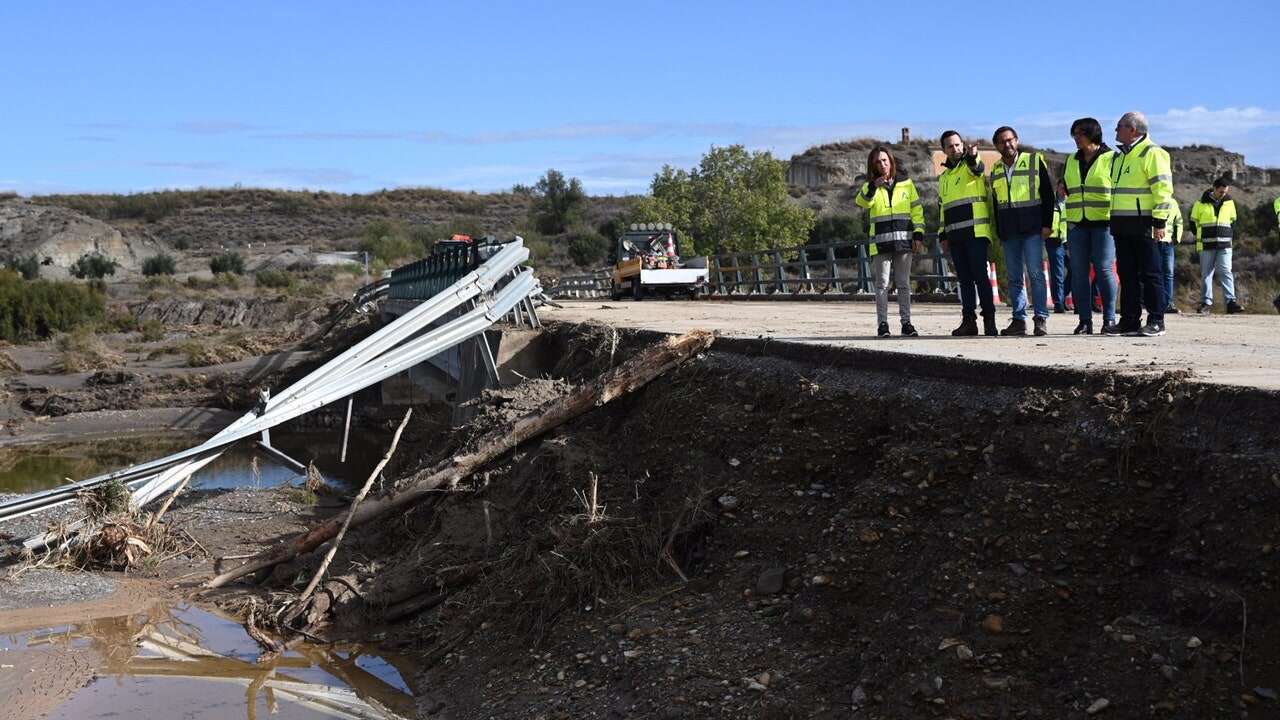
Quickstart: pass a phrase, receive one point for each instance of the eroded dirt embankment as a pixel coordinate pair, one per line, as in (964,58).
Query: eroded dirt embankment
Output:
(802,536)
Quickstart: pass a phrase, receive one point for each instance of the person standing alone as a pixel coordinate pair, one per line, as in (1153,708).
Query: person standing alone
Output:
(896,216)
(966,230)
(1214,220)
(1022,194)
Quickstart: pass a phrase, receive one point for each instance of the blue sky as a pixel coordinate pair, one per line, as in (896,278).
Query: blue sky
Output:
(352,97)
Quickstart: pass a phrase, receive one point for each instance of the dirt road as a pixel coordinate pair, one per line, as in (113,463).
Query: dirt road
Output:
(1237,350)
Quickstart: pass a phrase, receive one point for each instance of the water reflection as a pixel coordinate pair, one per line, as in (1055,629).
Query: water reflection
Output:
(29,468)
(185,662)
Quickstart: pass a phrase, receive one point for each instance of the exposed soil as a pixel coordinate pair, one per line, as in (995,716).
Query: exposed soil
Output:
(804,537)
(855,545)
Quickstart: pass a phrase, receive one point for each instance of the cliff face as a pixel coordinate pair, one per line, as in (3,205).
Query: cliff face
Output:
(58,237)
(823,177)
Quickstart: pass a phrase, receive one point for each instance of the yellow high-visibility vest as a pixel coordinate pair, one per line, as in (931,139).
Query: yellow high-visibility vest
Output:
(1214,225)
(964,201)
(1089,198)
(894,218)
(1142,182)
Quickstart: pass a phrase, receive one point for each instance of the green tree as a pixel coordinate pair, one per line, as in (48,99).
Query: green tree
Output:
(735,200)
(586,246)
(94,266)
(558,202)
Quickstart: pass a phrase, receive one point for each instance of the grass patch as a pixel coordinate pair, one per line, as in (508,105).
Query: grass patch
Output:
(82,350)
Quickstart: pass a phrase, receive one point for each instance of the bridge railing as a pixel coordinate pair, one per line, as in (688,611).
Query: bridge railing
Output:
(422,279)
(842,268)
(586,285)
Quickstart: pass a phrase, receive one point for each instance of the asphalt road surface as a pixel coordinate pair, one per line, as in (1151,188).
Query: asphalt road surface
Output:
(1236,350)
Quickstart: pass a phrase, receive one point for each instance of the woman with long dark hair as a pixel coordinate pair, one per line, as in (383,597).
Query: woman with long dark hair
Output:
(896,217)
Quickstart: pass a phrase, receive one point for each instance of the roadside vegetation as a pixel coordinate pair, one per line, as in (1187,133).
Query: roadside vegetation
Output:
(36,309)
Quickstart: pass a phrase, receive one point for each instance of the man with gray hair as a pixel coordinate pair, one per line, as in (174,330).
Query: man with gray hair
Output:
(1141,204)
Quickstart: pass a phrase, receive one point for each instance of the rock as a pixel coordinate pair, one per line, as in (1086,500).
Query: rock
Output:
(1098,706)
(618,629)
(629,654)
(764,678)
(1168,671)
(752,685)
(729,502)
(579,683)
(993,624)
(734,462)
(821,580)
(1266,693)
(996,683)
(771,581)
(741,554)
(1194,642)
(963,652)
(1018,569)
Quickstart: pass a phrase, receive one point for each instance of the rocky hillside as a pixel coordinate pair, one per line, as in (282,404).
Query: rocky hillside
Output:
(58,237)
(821,177)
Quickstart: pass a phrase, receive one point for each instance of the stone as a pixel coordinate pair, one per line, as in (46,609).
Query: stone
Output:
(1098,706)
(993,624)
(729,502)
(1266,693)
(771,580)
(1194,642)
(963,652)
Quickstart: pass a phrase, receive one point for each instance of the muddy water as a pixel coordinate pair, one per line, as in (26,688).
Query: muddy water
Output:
(184,662)
(25,469)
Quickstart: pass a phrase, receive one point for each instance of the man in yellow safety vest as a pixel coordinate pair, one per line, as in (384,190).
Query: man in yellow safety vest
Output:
(966,230)
(1141,202)
(1023,199)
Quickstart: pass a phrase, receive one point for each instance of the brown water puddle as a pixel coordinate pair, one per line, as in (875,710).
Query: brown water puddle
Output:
(184,662)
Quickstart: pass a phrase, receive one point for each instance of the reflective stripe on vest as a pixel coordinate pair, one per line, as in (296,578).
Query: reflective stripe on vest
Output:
(1133,193)
(960,188)
(1010,193)
(1089,198)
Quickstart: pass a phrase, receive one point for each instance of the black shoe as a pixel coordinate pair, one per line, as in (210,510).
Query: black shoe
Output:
(1041,326)
(989,327)
(968,328)
(1017,328)
(1151,330)
(1204,309)
(909,330)
(1084,328)
(1233,308)
(883,330)
(1116,328)
(1172,310)
(1059,308)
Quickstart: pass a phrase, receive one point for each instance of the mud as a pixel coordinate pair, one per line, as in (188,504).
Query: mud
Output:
(785,530)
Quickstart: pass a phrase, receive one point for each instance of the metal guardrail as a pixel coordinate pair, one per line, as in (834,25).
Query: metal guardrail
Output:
(842,268)
(586,285)
(837,268)
(442,268)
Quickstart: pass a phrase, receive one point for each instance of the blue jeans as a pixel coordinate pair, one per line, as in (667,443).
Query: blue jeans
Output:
(1093,245)
(1168,251)
(1217,262)
(1057,251)
(1021,254)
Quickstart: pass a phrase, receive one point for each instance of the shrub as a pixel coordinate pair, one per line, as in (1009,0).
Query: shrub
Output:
(152,330)
(220,280)
(276,279)
(227,262)
(94,266)
(28,267)
(81,350)
(587,247)
(39,308)
(389,241)
(159,265)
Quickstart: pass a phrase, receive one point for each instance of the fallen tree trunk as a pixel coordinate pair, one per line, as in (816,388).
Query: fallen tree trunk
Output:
(626,378)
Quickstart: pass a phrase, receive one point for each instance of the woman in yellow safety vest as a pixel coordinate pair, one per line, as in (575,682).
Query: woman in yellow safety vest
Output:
(896,216)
